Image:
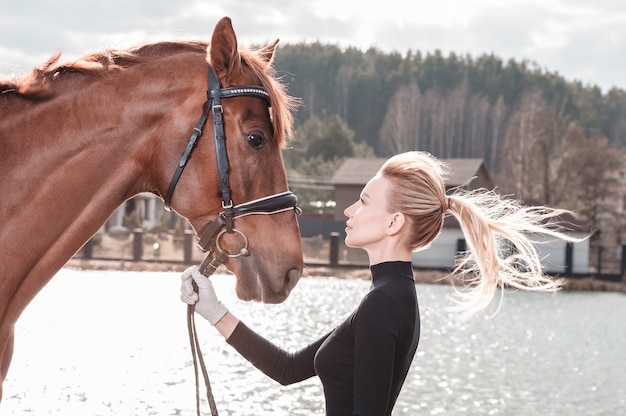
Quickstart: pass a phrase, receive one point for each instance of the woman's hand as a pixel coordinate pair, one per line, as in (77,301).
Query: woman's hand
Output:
(205,300)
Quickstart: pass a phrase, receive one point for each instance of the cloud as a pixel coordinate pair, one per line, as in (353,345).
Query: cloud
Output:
(576,38)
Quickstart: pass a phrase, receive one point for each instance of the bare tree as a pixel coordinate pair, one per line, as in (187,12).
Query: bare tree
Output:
(550,160)
(478,142)
(401,126)
(343,81)
(516,165)
(457,124)
(497,119)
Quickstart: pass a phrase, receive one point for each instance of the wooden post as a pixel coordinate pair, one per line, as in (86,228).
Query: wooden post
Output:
(334,249)
(88,249)
(137,244)
(188,246)
(569,259)
(623,261)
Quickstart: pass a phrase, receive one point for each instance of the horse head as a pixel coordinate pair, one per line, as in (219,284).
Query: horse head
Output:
(255,130)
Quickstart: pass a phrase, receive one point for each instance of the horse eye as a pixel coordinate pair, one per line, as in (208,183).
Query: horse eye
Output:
(256,141)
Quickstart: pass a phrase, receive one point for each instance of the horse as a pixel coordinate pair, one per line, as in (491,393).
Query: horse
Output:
(79,139)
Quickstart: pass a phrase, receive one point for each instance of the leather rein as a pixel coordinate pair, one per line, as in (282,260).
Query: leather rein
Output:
(210,234)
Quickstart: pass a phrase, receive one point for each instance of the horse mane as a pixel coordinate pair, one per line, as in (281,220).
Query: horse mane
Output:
(38,85)
(282,104)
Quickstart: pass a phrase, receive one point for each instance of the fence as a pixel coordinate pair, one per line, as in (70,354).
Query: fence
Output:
(321,247)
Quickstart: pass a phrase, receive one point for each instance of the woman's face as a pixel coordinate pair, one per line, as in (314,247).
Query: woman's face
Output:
(368,218)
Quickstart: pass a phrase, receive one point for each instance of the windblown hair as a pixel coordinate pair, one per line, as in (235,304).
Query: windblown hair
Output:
(498,230)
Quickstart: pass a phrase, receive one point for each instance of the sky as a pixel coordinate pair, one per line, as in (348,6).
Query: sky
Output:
(581,40)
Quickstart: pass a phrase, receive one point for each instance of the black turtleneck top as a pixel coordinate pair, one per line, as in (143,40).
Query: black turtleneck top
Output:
(364,361)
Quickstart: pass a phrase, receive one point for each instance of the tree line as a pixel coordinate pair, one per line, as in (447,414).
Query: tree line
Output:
(543,137)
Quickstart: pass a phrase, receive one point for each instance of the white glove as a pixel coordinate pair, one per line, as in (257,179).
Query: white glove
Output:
(206,301)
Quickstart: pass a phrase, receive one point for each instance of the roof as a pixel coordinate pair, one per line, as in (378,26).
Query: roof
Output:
(358,171)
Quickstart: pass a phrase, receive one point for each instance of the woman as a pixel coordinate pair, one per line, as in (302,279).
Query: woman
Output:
(363,363)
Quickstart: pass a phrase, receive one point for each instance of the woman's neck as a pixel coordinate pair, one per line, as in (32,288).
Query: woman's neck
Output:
(395,253)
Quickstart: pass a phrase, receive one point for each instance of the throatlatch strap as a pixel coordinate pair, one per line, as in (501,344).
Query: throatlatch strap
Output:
(191,144)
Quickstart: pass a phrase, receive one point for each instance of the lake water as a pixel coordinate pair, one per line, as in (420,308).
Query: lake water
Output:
(115,343)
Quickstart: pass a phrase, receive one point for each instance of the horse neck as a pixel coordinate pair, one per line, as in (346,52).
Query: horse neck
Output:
(53,182)
(53,179)
(65,158)
(67,163)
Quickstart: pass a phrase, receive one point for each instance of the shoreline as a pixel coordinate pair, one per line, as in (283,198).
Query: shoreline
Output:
(589,284)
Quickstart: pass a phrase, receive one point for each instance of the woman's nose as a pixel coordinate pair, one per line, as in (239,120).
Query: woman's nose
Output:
(347,211)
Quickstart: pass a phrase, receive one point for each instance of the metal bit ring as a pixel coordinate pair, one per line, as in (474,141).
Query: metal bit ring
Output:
(243,251)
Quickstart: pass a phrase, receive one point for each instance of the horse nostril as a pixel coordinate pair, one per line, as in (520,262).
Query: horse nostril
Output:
(293,276)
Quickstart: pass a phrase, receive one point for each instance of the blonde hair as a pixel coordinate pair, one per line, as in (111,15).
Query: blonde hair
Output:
(497,230)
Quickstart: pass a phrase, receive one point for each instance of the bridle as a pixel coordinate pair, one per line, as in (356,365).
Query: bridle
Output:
(211,233)
(272,204)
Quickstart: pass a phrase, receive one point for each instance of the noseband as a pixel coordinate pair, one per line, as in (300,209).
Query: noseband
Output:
(210,234)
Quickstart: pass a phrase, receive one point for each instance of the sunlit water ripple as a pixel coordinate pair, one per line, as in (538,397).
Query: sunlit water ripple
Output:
(115,343)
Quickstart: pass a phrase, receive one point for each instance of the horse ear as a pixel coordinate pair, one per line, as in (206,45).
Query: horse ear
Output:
(268,52)
(224,53)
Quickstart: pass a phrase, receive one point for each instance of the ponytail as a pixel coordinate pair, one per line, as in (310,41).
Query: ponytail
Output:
(501,236)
